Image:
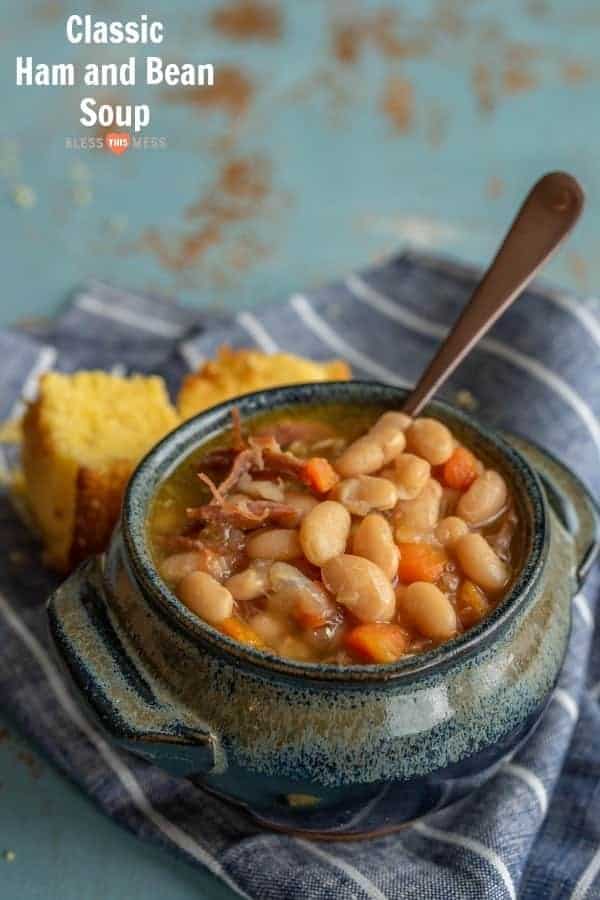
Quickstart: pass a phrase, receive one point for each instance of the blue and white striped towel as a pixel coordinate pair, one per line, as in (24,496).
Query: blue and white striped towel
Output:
(534,830)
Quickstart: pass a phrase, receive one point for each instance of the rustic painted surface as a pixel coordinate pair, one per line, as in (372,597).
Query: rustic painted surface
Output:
(328,140)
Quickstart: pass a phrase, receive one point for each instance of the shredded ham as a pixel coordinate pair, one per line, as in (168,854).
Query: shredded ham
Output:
(261,453)
(266,456)
(284,463)
(216,493)
(245,461)
(246,514)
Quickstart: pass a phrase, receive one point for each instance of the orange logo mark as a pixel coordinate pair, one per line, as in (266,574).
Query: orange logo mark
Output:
(117,142)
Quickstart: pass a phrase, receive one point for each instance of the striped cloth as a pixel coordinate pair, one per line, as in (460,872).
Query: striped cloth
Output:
(534,830)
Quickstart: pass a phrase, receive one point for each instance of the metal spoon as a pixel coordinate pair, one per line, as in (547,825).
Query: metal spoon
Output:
(548,214)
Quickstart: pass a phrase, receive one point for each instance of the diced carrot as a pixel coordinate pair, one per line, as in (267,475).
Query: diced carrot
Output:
(238,630)
(421,562)
(319,474)
(378,642)
(471,604)
(460,471)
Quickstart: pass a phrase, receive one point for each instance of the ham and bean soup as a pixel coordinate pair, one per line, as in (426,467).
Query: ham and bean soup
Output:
(336,536)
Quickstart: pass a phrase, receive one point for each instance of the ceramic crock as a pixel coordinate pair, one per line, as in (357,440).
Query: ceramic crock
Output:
(321,750)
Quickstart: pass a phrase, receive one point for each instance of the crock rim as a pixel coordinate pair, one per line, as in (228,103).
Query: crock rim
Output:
(165,456)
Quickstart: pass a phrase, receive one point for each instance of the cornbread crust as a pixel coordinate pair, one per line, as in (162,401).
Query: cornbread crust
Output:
(98,504)
(237,372)
(82,438)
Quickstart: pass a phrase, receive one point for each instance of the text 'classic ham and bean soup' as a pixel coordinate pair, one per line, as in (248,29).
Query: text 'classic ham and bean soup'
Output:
(337,536)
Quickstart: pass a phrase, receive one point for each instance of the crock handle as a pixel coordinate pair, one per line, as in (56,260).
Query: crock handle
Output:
(112,681)
(569,498)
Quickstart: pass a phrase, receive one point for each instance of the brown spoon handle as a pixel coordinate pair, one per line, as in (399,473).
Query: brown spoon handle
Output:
(548,214)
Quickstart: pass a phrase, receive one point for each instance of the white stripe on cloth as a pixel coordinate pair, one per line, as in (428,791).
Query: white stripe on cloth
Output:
(257,332)
(532,781)
(467,843)
(581,604)
(567,702)
(141,321)
(587,878)
(168,829)
(44,362)
(572,305)
(191,355)
(347,868)
(373,298)
(326,334)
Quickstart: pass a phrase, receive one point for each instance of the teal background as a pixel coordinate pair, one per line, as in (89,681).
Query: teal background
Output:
(426,126)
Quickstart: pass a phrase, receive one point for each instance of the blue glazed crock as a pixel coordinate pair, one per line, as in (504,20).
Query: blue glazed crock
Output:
(326,751)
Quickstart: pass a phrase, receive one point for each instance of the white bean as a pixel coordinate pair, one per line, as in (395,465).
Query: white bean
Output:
(380,445)
(404,534)
(388,431)
(324,531)
(398,420)
(177,566)
(421,513)
(429,610)
(431,440)
(450,529)
(361,587)
(206,597)
(374,540)
(295,594)
(302,503)
(411,475)
(365,492)
(362,457)
(253,582)
(479,562)
(274,543)
(484,500)
(267,627)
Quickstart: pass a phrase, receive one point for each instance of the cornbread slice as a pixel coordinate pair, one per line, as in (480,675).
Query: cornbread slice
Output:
(236,372)
(82,438)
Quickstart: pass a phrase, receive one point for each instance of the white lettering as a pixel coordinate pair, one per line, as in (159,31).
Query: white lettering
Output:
(186,74)
(74,37)
(85,29)
(43,75)
(24,70)
(110,74)
(153,70)
(136,117)
(156,32)
(87,108)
